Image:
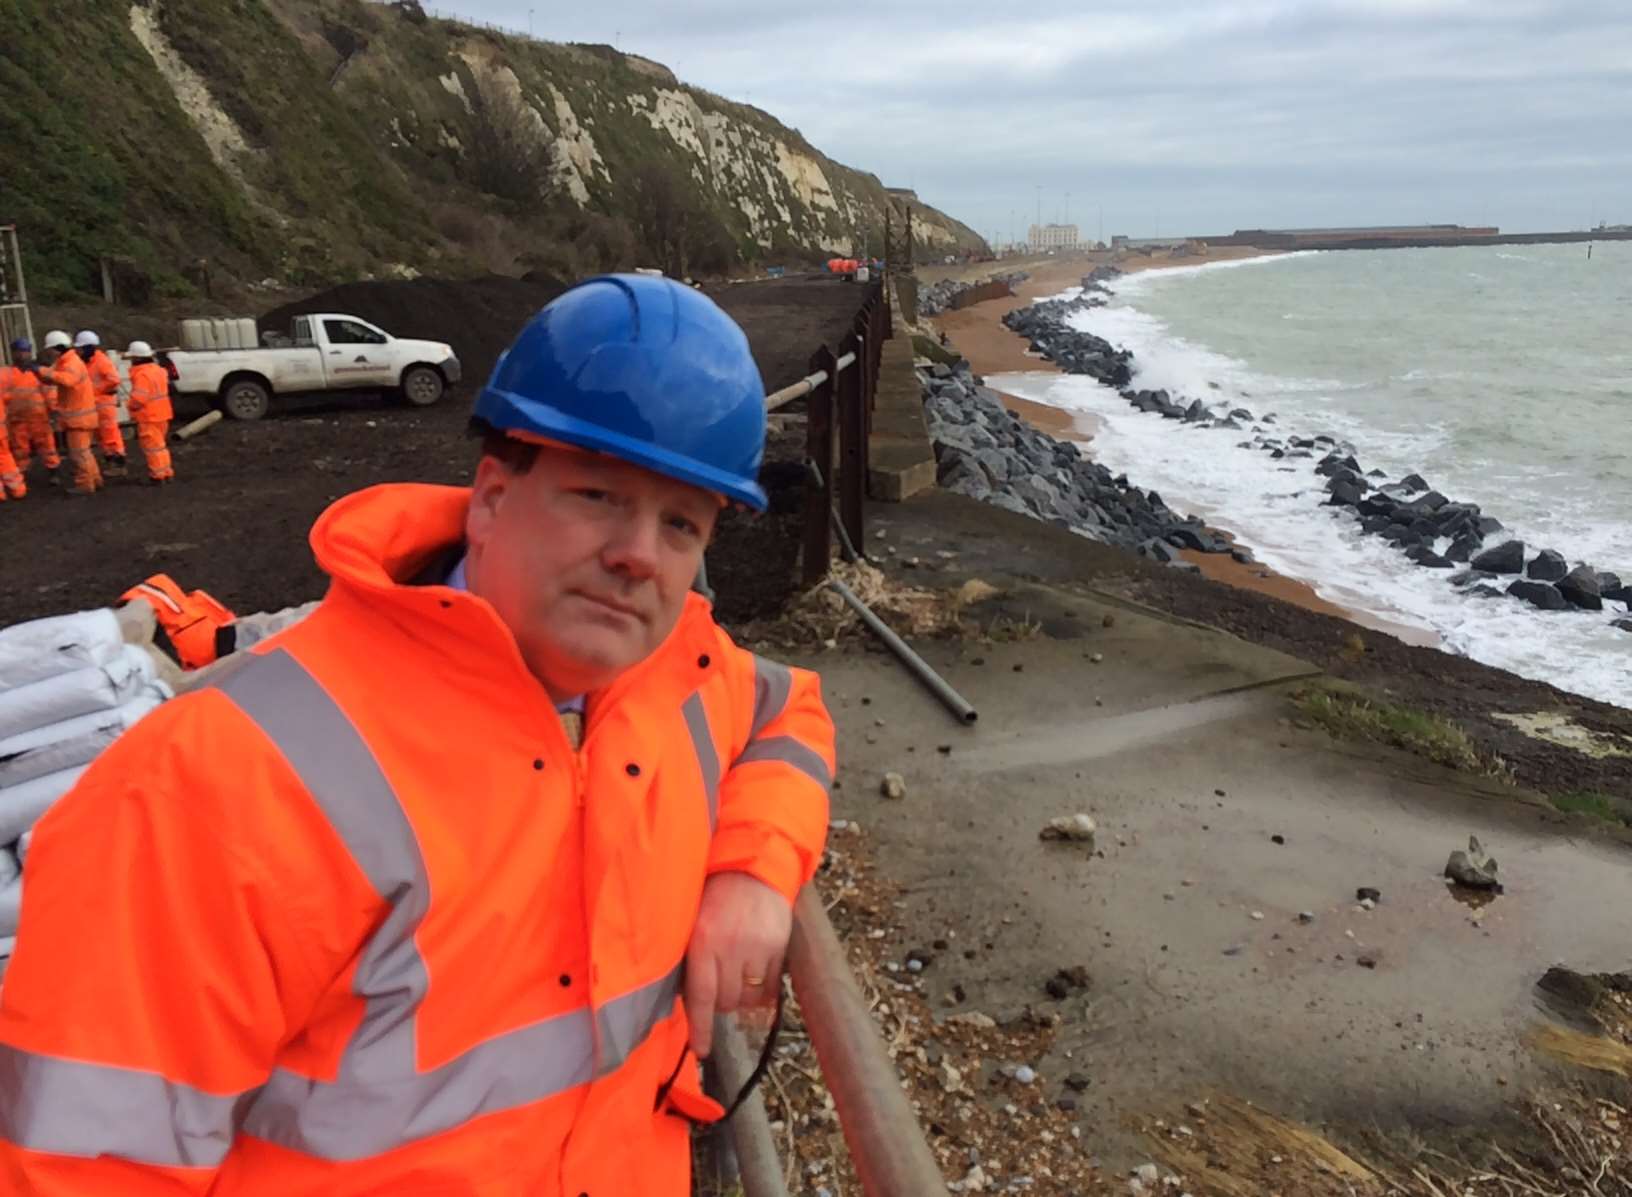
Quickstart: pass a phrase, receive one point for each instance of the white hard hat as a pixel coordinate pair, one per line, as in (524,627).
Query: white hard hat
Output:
(57,339)
(139,349)
(86,339)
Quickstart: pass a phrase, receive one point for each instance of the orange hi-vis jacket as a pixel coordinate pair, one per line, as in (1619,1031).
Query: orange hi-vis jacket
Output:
(76,397)
(356,919)
(149,401)
(22,395)
(104,379)
(190,622)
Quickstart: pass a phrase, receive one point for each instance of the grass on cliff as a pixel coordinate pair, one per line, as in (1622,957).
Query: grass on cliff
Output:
(1352,716)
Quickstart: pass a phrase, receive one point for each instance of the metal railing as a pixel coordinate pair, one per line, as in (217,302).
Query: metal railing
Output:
(842,389)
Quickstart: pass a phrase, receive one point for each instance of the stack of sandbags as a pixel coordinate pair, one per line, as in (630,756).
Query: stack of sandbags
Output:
(69,686)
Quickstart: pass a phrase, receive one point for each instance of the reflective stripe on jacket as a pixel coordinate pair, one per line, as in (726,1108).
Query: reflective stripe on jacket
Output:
(104,379)
(190,622)
(356,920)
(149,401)
(76,400)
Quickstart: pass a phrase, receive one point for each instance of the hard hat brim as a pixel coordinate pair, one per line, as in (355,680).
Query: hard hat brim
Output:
(550,425)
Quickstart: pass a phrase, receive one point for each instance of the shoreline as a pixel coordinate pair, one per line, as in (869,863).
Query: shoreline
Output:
(991,347)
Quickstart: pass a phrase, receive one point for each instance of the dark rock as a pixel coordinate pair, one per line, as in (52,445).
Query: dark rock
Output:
(1503,559)
(1196,412)
(1401,535)
(941,370)
(1413,483)
(1468,576)
(1376,473)
(1379,504)
(1489,526)
(1425,556)
(1374,524)
(1462,551)
(1077,1082)
(1192,538)
(1549,566)
(1540,594)
(1344,494)
(1277,839)
(1580,587)
(1484,591)
(1610,586)
(1624,625)
(1277,453)
(1242,556)
(1240,413)
(1366,891)
(1159,550)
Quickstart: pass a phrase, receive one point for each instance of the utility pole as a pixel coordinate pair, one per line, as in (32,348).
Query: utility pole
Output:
(529,23)
(1039,207)
(1101,237)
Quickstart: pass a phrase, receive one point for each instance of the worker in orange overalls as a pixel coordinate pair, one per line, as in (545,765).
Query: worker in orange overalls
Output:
(440,889)
(149,405)
(76,410)
(26,398)
(105,382)
(12,485)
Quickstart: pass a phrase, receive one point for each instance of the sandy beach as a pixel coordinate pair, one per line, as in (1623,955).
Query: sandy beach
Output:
(980,335)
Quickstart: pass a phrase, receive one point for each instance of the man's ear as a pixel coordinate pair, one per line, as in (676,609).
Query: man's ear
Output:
(492,483)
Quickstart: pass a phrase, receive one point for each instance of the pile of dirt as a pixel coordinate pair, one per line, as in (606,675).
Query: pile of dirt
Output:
(788,319)
(477,316)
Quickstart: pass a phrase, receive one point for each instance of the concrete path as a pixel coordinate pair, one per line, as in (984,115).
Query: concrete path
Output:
(1180,744)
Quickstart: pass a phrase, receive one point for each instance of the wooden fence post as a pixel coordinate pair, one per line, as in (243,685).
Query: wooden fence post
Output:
(852,419)
(819,450)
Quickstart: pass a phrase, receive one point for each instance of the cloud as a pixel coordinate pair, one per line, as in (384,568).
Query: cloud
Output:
(1197,115)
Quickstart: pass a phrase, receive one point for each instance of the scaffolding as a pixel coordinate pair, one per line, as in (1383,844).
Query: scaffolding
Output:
(14,318)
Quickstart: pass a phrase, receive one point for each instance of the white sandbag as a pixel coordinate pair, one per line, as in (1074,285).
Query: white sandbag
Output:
(118,719)
(11,909)
(21,806)
(10,867)
(44,648)
(249,630)
(93,688)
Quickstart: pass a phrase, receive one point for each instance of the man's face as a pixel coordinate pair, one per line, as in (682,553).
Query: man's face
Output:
(22,358)
(86,352)
(587,559)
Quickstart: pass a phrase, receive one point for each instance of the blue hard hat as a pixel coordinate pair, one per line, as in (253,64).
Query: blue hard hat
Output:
(644,369)
(22,345)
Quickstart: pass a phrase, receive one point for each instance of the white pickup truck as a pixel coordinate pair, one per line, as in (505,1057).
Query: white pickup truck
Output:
(327,351)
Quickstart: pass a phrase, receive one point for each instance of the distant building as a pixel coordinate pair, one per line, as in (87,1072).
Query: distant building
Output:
(1043,237)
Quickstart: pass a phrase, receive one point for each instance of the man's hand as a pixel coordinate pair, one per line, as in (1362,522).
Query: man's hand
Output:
(735,957)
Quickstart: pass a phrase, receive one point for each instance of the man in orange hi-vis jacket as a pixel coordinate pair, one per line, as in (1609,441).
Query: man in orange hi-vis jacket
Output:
(440,889)
(105,382)
(26,398)
(76,410)
(150,408)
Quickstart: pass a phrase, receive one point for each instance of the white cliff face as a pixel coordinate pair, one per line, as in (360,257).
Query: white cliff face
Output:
(225,140)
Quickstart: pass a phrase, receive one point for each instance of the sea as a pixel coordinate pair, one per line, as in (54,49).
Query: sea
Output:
(1502,374)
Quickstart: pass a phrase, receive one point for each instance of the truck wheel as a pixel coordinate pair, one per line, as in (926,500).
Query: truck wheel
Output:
(246,399)
(422,386)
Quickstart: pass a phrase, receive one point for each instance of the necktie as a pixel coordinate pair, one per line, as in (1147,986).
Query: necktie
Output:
(572,722)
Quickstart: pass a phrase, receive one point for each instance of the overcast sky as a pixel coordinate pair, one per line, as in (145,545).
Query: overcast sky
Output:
(1174,116)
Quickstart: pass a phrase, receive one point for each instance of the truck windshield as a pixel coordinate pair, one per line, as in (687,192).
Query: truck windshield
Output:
(351,332)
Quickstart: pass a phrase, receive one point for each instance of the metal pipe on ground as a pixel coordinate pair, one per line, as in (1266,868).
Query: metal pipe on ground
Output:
(886,1143)
(805,385)
(208,420)
(750,1127)
(950,698)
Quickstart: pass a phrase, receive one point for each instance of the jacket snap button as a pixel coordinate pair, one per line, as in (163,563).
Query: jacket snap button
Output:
(446,603)
(632,769)
(702,661)
(565,980)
